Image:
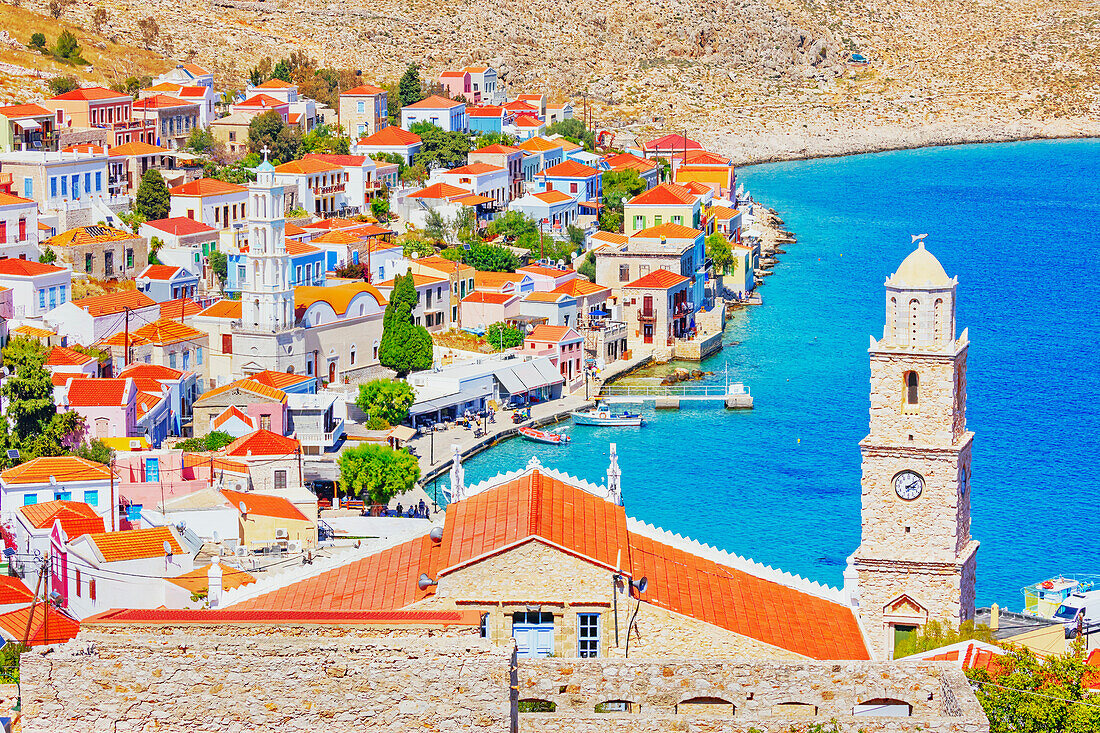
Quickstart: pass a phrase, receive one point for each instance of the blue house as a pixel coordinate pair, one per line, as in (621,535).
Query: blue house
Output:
(487,119)
(584,183)
(167,282)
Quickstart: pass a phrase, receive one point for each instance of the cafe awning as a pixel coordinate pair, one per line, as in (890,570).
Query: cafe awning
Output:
(512,383)
(402,433)
(27,123)
(547,371)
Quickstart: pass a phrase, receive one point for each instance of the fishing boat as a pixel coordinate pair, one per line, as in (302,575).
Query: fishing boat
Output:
(1043,599)
(542,436)
(602,416)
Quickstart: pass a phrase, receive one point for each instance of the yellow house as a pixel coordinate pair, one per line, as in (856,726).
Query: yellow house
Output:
(709,169)
(667,203)
(267,520)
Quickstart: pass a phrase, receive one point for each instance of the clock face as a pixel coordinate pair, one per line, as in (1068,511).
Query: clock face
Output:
(908,485)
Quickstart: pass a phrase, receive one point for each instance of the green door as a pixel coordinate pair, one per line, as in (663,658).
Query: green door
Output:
(903,634)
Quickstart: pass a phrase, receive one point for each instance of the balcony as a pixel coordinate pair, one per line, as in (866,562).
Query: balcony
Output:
(322,441)
(325,190)
(647,316)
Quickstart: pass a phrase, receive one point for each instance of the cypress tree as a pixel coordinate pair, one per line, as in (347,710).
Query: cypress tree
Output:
(405,347)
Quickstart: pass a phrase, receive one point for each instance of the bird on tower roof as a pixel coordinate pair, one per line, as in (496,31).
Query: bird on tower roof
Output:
(920,269)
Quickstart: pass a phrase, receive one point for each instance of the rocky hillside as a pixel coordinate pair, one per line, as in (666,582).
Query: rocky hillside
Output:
(759,78)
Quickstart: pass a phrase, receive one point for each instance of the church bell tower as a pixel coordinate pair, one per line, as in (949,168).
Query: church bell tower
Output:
(916,560)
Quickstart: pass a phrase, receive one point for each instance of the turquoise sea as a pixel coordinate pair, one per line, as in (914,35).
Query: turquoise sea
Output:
(1018,224)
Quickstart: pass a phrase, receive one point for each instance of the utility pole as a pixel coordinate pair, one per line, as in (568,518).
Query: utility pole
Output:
(126,340)
(114,506)
(34,602)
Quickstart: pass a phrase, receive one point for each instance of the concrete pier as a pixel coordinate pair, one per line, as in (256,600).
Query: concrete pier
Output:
(739,402)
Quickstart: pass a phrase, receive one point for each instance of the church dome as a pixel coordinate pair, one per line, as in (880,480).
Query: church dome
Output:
(920,269)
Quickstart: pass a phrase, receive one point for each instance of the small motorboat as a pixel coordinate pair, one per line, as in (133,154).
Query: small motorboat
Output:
(542,436)
(602,416)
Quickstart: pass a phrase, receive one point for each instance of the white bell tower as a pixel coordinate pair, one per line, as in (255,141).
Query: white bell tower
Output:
(267,299)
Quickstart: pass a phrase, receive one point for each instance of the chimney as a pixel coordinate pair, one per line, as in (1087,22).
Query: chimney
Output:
(994,617)
(214,583)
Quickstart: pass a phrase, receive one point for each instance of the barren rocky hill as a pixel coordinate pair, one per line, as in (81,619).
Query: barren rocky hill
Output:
(759,78)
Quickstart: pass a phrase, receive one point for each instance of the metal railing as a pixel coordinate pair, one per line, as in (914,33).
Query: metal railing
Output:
(674,390)
(323,439)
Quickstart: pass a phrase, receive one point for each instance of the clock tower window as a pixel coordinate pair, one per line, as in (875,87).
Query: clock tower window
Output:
(912,390)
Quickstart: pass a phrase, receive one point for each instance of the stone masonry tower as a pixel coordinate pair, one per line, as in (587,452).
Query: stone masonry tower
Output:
(916,561)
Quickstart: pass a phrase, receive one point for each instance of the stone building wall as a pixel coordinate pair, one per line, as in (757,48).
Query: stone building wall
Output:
(933,420)
(248,679)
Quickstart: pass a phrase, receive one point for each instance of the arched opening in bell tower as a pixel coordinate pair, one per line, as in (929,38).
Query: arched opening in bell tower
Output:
(912,389)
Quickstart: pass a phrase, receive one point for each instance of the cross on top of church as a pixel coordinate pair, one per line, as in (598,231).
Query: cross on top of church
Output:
(265,150)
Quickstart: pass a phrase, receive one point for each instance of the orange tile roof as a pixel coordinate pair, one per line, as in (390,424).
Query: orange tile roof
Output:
(265,505)
(520,105)
(159,272)
(12,591)
(231,412)
(418,280)
(335,222)
(54,628)
(262,100)
(293,230)
(440,263)
(658,280)
(475,169)
(723,212)
(160,332)
(569,169)
(165,86)
(544,297)
(206,187)
(307,166)
(262,443)
(16,111)
(664,194)
(495,280)
(392,136)
(279,380)
(109,304)
(544,271)
(64,469)
(674,143)
(88,235)
(706,158)
(99,392)
(76,517)
(434,102)
(26,267)
(146,401)
(336,236)
(364,90)
(439,191)
(198,580)
(540,145)
(553,334)
(195,70)
(7,199)
(223,309)
(60,379)
(480,296)
(498,149)
(160,101)
(732,599)
(669,231)
(150,371)
(627,161)
(580,286)
(344,161)
(339,297)
(180,226)
(181,307)
(33,332)
(248,385)
(969,656)
(135,544)
(61,356)
(553,197)
(371,230)
(90,94)
(274,84)
(528,121)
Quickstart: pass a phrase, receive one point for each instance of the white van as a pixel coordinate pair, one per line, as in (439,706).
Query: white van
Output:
(1083,607)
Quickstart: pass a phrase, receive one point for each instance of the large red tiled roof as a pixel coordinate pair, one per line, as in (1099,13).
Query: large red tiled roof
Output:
(135,544)
(280,380)
(364,90)
(76,517)
(15,111)
(658,279)
(664,194)
(439,191)
(150,371)
(392,136)
(26,268)
(248,385)
(159,272)
(745,604)
(261,100)
(306,166)
(569,169)
(262,443)
(580,286)
(88,235)
(668,230)
(337,159)
(62,468)
(90,94)
(674,143)
(61,356)
(180,226)
(57,629)
(264,505)
(179,308)
(206,187)
(223,309)
(627,161)
(160,101)
(554,334)
(13,591)
(434,102)
(480,296)
(475,169)
(99,392)
(111,303)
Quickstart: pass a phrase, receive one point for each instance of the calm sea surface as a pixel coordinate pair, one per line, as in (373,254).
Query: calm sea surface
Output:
(1018,225)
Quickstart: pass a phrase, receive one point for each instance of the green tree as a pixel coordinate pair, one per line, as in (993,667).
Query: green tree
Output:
(1023,694)
(378,472)
(439,147)
(486,139)
(152,198)
(281,71)
(201,140)
(575,131)
(405,347)
(269,130)
(435,226)
(67,50)
(214,440)
(324,139)
(219,263)
(38,42)
(386,399)
(454,254)
(37,429)
(63,84)
(48,256)
(380,208)
(491,258)
(502,336)
(512,224)
(94,450)
(718,251)
(410,89)
(576,236)
(412,244)
(617,186)
(588,266)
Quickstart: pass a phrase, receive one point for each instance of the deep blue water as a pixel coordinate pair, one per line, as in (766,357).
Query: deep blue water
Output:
(1018,224)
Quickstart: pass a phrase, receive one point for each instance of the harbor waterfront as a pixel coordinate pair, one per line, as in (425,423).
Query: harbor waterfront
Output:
(781,483)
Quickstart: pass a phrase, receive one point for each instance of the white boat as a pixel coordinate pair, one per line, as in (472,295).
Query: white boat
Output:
(1043,599)
(542,436)
(604,417)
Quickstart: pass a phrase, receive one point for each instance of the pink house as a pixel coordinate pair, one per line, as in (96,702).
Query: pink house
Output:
(148,477)
(109,406)
(564,346)
(457,83)
(484,309)
(547,279)
(257,406)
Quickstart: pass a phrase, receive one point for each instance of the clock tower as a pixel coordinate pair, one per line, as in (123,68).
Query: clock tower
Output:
(916,560)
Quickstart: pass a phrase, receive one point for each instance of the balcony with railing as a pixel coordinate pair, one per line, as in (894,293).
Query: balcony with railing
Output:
(326,190)
(324,440)
(647,316)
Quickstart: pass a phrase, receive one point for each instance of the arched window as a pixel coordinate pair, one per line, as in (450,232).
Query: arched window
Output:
(914,319)
(937,321)
(892,319)
(884,707)
(617,706)
(912,388)
(351,355)
(705,706)
(534,705)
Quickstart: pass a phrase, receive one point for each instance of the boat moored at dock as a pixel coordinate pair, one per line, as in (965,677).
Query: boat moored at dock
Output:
(602,416)
(543,436)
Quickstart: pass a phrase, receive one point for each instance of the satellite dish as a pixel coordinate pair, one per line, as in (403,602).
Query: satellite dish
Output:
(242,507)
(9,552)
(436,534)
(425,582)
(217,536)
(167,547)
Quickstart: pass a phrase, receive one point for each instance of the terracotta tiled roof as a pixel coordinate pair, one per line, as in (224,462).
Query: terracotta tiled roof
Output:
(262,443)
(223,309)
(90,94)
(99,392)
(88,235)
(195,70)
(160,101)
(664,194)
(479,296)
(307,166)
(26,268)
(339,297)
(16,111)
(76,517)
(434,102)
(206,187)
(111,303)
(706,158)
(439,191)
(364,90)
(335,222)
(165,86)
(274,84)
(580,286)
(61,356)
(543,297)
(146,401)
(159,272)
(475,169)
(261,100)
(569,169)
(453,73)
(520,105)
(198,579)
(544,271)
(349,161)
(264,505)
(161,332)
(232,412)
(293,230)
(33,332)
(498,149)
(495,280)
(135,544)
(191,91)
(7,199)
(60,379)
(300,248)
(442,264)
(370,230)
(85,148)
(418,280)
(745,604)
(58,629)
(723,212)
(280,380)
(540,145)
(626,161)
(966,655)
(553,334)
(248,385)
(392,136)
(180,226)
(13,591)
(62,468)
(151,371)
(669,231)
(553,197)
(179,307)
(658,280)
(528,121)
(336,236)
(673,143)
